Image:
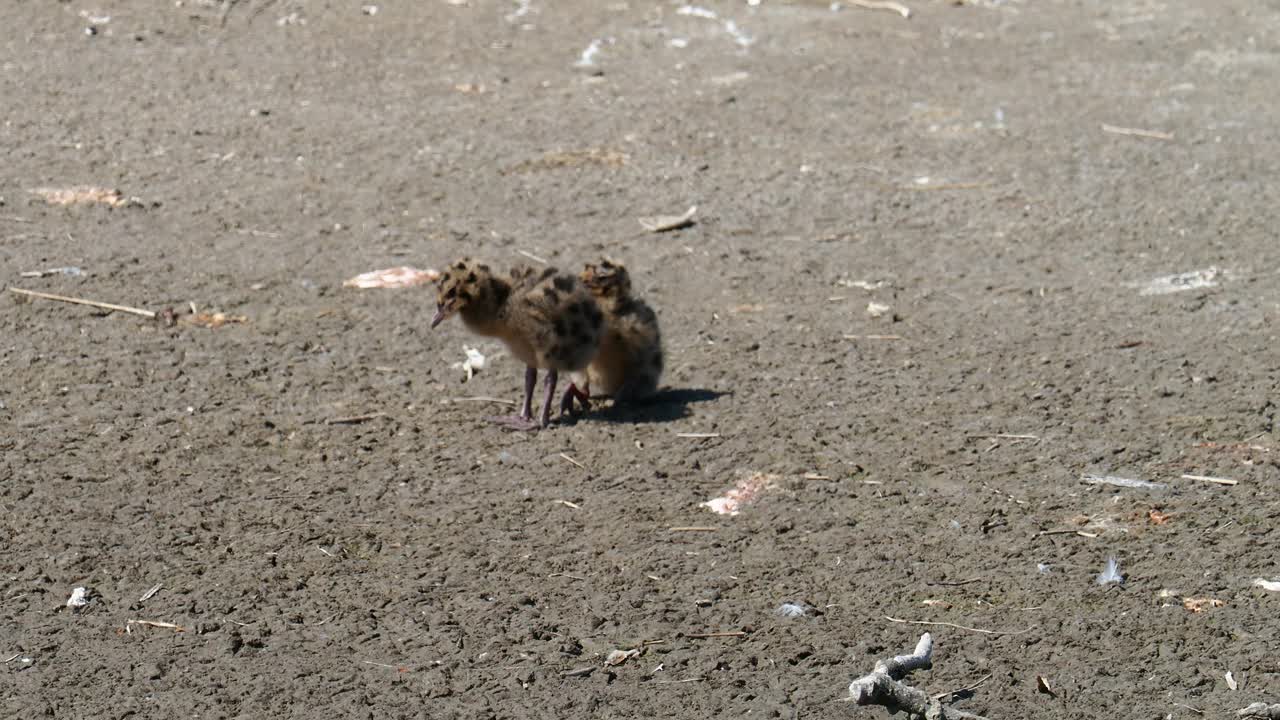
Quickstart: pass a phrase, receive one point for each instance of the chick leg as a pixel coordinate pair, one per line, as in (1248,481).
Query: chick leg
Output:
(552,376)
(573,392)
(523,421)
(530,382)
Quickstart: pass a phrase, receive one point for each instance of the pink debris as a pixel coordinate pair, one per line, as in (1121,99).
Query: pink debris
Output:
(396,277)
(744,492)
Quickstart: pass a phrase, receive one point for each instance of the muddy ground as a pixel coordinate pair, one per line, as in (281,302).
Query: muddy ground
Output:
(953,166)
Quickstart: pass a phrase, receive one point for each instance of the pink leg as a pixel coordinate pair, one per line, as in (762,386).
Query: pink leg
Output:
(572,393)
(523,421)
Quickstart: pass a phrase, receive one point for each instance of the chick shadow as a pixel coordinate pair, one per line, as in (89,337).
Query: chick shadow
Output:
(663,406)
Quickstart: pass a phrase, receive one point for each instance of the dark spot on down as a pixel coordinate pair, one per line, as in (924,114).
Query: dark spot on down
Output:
(552,295)
(563,283)
(561,327)
(483,268)
(464,296)
(461,265)
(451,293)
(471,277)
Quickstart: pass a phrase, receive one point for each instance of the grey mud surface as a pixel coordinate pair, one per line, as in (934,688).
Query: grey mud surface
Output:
(423,563)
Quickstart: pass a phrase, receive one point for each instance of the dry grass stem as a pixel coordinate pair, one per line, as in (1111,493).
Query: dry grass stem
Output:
(354,419)
(1210,479)
(981,681)
(956,583)
(154,623)
(947,186)
(1136,132)
(483,398)
(571,460)
(82,301)
(958,627)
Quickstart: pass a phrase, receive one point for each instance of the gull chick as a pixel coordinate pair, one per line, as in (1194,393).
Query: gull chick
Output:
(630,359)
(547,319)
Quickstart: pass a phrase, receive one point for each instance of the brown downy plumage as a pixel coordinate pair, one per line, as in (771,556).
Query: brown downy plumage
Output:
(547,319)
(630,360)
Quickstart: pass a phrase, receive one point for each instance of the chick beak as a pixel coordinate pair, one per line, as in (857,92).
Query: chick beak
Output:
(441,314)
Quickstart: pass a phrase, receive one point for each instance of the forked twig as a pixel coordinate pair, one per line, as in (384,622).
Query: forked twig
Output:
(884,686)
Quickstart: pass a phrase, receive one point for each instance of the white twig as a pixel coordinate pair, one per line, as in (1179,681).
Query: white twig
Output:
(1260,710)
